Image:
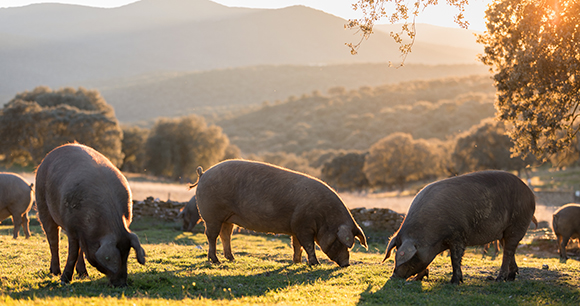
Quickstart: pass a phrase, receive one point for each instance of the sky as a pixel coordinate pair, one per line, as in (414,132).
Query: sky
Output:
(441,15)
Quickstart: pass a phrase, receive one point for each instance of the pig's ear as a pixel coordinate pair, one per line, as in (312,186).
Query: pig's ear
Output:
(180,214)
(405,252)
(391,245)
(360,235)
(108,255)
(138,249)
(345,235)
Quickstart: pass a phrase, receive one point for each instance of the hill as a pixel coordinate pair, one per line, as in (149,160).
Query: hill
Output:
(226,92)
(356,119)
(69,45)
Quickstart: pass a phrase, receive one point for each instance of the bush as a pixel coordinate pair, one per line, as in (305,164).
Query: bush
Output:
(345,171)
(176,147)
(34,123)
(398,159)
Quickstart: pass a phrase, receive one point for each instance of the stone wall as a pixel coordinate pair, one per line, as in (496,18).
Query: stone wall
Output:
(378,219)
(164,210)
(373,219)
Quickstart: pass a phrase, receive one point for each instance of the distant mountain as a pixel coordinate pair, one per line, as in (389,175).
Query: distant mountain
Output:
(58,45)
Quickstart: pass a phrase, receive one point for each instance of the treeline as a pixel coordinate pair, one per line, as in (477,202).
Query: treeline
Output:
(355,119)
(382,137)
(34,123)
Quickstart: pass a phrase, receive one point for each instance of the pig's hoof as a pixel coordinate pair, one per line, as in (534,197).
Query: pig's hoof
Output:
(421,275)
(563,260)
(83,275)
(55,272)
(456,280)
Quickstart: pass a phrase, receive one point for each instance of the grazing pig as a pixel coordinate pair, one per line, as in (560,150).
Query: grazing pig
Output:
(190,215)
(466,210)
(15,200)
(80,190)
(488,245)
(267,198)
(566,224)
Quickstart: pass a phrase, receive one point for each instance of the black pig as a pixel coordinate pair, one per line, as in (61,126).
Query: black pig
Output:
(80,190)
(461,211)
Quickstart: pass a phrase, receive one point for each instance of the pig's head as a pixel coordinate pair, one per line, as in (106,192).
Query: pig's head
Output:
(337,244)
(111,257)
(190,215)
(410,258)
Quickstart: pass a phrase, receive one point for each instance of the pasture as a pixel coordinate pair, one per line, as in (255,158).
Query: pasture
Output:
(177,272)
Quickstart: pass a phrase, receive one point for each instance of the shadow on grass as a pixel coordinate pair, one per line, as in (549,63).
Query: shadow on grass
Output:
(182,283)
(532,286)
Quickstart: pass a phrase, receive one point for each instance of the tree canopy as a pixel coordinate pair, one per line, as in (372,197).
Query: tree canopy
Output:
(176,147)
(398,159)
(34,123)
(402,12)
(533,48)
(486,146)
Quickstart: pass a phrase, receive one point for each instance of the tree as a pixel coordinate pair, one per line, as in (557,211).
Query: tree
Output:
(176,147)
(34,123)
(533,47)
(134,139)
(398,159)
(486,146)
(374,10)
(345,171)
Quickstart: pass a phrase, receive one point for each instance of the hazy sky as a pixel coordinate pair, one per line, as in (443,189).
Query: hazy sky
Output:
(441,15)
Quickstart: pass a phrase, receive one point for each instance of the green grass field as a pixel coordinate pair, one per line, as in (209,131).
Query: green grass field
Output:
(177,272)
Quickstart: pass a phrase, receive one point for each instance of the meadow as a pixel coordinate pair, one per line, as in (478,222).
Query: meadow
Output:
(177,272)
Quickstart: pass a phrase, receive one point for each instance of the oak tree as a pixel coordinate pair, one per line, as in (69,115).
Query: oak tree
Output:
(533,49)
(34,123)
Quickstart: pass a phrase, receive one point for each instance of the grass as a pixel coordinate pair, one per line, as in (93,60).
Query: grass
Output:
(177,272)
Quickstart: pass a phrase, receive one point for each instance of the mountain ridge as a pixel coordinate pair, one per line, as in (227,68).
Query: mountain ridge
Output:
(43,45)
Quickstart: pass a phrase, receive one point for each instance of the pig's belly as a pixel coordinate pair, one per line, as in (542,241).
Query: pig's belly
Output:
(261,224)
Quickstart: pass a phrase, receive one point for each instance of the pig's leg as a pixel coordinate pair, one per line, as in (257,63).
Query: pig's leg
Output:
(212,231)
(562,243)
(226,238)
(297,257)
(509,268)
(80,267)
(52,231)
(17,220)
(73,256)
(307,242)
(456,253)
(26,225)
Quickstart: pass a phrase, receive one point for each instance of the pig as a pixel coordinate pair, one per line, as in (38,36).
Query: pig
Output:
(467,210)
(190,215)
(80,190)
(495,245)
(268,198)
(16,198)
(566,224)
